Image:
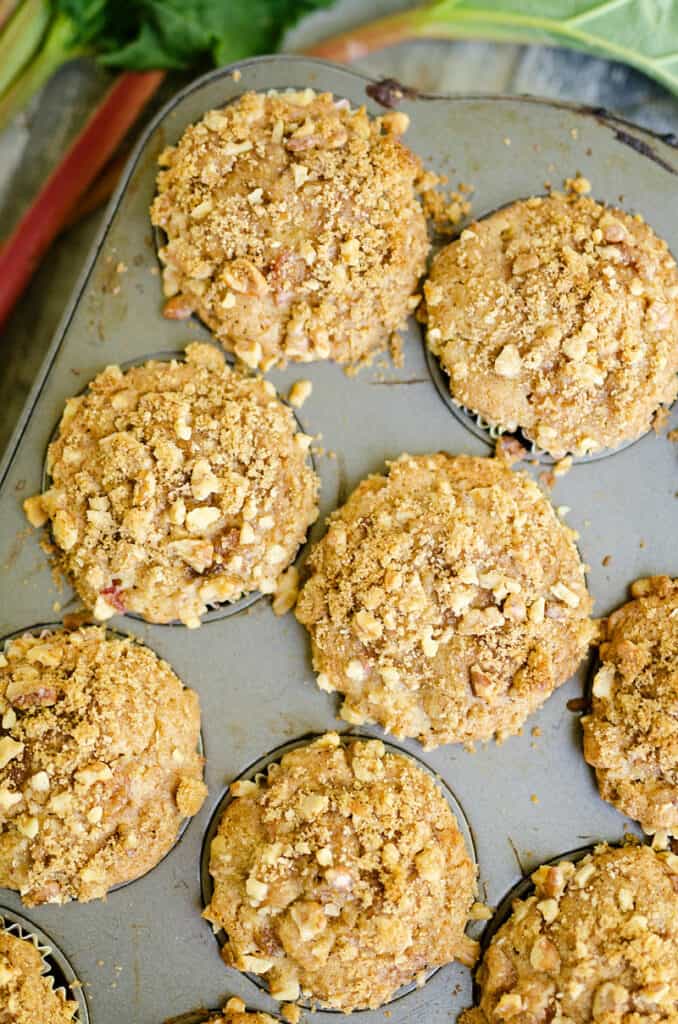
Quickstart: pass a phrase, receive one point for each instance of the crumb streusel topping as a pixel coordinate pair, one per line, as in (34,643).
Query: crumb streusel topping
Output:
(446,601)
(558,316)
(631,734)
(597,942)
(98,763)
(293,227)
(235,1012)
(341,875)
(27,995)
(175,486)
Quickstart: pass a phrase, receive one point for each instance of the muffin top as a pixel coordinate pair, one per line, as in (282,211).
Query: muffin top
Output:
(26,994)
(559,317)
(176,485)
(98,763)
(235,1012)
(446,601)
(598,941)
(342,875)
(293,227)
(631,735)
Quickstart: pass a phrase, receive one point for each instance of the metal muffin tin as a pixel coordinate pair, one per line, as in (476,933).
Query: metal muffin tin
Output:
(145,954)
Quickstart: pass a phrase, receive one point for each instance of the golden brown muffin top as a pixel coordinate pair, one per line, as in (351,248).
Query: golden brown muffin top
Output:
(559,316)
(176,485)
(98,763)
(597,942)
(631,735)
(293,227)
(26,995)
(341,875)
(446,601)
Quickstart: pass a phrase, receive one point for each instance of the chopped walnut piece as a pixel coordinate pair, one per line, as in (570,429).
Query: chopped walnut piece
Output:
(350,914)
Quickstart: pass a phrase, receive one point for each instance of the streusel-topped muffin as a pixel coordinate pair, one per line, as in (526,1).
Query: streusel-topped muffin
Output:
(27,994)
(293,227)
(558,316)
(341,875)
(98,763)
(175,486)
(596,942)
(631,734)
(446,601)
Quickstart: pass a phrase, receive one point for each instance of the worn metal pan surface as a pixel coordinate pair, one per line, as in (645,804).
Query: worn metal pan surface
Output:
(145,954)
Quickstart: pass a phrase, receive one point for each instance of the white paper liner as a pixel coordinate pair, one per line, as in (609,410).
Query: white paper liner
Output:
(12,926)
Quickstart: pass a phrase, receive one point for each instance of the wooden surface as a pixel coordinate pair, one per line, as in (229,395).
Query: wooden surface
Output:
(30,147)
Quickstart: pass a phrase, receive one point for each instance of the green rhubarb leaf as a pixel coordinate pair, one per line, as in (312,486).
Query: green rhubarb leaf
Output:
(642,33)
(183,33)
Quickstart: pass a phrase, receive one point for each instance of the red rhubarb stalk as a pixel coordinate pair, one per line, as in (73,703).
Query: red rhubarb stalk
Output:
(88,154)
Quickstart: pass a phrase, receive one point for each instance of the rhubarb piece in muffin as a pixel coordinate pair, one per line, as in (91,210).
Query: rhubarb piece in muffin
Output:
(446,601)
(596,942)
(175,486)
(341,875)
(293,227)
(558,316)
(27,994)
(98,763)
(631,734)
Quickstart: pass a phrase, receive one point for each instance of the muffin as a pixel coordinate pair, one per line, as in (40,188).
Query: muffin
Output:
(341,875)
(98,763)
(27,994)
(293,227)
(235,1012)
(631,734)
(176,486)
(558,316)
(598,941)
(446,601)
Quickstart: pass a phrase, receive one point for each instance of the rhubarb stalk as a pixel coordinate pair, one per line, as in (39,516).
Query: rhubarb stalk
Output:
(88,154)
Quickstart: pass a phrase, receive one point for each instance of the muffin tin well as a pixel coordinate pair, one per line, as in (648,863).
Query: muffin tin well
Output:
(146,954)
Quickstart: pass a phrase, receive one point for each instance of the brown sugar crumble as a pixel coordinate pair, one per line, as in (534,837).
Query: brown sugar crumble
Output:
(176,486)
(294,228)
(630,737)
(341,875)
(558,316)
(446,601)
(596,942)
(27,994)
(98,763)
(235,1012)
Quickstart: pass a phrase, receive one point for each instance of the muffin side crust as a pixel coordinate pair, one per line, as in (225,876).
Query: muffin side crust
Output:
(631,734)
